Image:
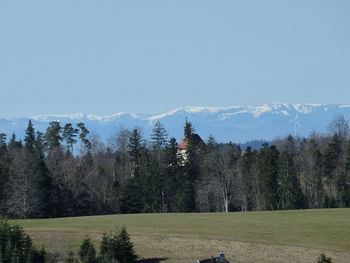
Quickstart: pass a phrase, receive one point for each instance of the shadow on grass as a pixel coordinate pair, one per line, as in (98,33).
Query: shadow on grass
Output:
(152,260)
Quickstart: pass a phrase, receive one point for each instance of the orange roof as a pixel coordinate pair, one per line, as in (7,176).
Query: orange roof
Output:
(183,144)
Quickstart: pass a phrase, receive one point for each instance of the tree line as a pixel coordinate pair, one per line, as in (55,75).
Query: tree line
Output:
(67,171)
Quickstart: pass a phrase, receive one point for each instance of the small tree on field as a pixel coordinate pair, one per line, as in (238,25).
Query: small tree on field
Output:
(108,249)
(87,252)
(117,248)
(126,252)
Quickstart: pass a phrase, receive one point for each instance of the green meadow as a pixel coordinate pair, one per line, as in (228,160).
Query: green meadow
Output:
(324,230)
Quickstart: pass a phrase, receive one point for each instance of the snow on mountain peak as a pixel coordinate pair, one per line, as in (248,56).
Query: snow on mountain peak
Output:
(81,116)
(111,117)
(190,109)
(223,112)
(48,117)
(304,108)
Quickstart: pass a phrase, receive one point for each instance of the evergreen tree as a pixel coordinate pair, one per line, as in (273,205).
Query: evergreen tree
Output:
(37,174)
(125,252)
(151,178)
(84,200)
(29,137)
(131,197)
(135,144)
(333,169)
(268,165)
(171,182)
(311,172)
(211,143)
(17,246)
(69,135)
(117,248)
(156,170)
(83,135)
(289,189)
(107,249)
(251,188)
(87,251)
(53,136)
(171,157)
(43,179)
(188,129)
(159,136)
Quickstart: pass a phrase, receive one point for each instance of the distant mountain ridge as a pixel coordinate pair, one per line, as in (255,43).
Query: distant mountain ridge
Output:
(232,123)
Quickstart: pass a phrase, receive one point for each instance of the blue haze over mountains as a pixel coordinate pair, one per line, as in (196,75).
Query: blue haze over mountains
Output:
(234,123)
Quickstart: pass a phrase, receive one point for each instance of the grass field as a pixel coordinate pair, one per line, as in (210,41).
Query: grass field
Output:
(281,236)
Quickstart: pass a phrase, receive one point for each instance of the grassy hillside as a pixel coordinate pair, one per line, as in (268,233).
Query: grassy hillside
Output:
(245,237)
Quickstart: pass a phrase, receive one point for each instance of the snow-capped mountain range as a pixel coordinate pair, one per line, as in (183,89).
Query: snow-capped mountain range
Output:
(233,123)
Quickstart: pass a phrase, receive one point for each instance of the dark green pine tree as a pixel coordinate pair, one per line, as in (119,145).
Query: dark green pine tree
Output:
(315,196)
(107,249)
(29,138)
(39,181)
(126,252)
(289,189)
(188,129)
(171,182)
(268,165)
(132,196)
(211,144)
(147,180)
(43,178)
(248,165)
(53,135)
(159,136)
(156,170)
(332,154)
(84,201)
(32,190)
(135,144)
(69,135)
(171,157)
(332,170)
(87,251)
(83,135)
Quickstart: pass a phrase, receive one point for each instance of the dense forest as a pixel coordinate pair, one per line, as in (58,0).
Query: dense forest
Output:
(67,171)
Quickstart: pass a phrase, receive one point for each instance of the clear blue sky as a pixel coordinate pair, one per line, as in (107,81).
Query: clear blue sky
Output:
(150,56)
